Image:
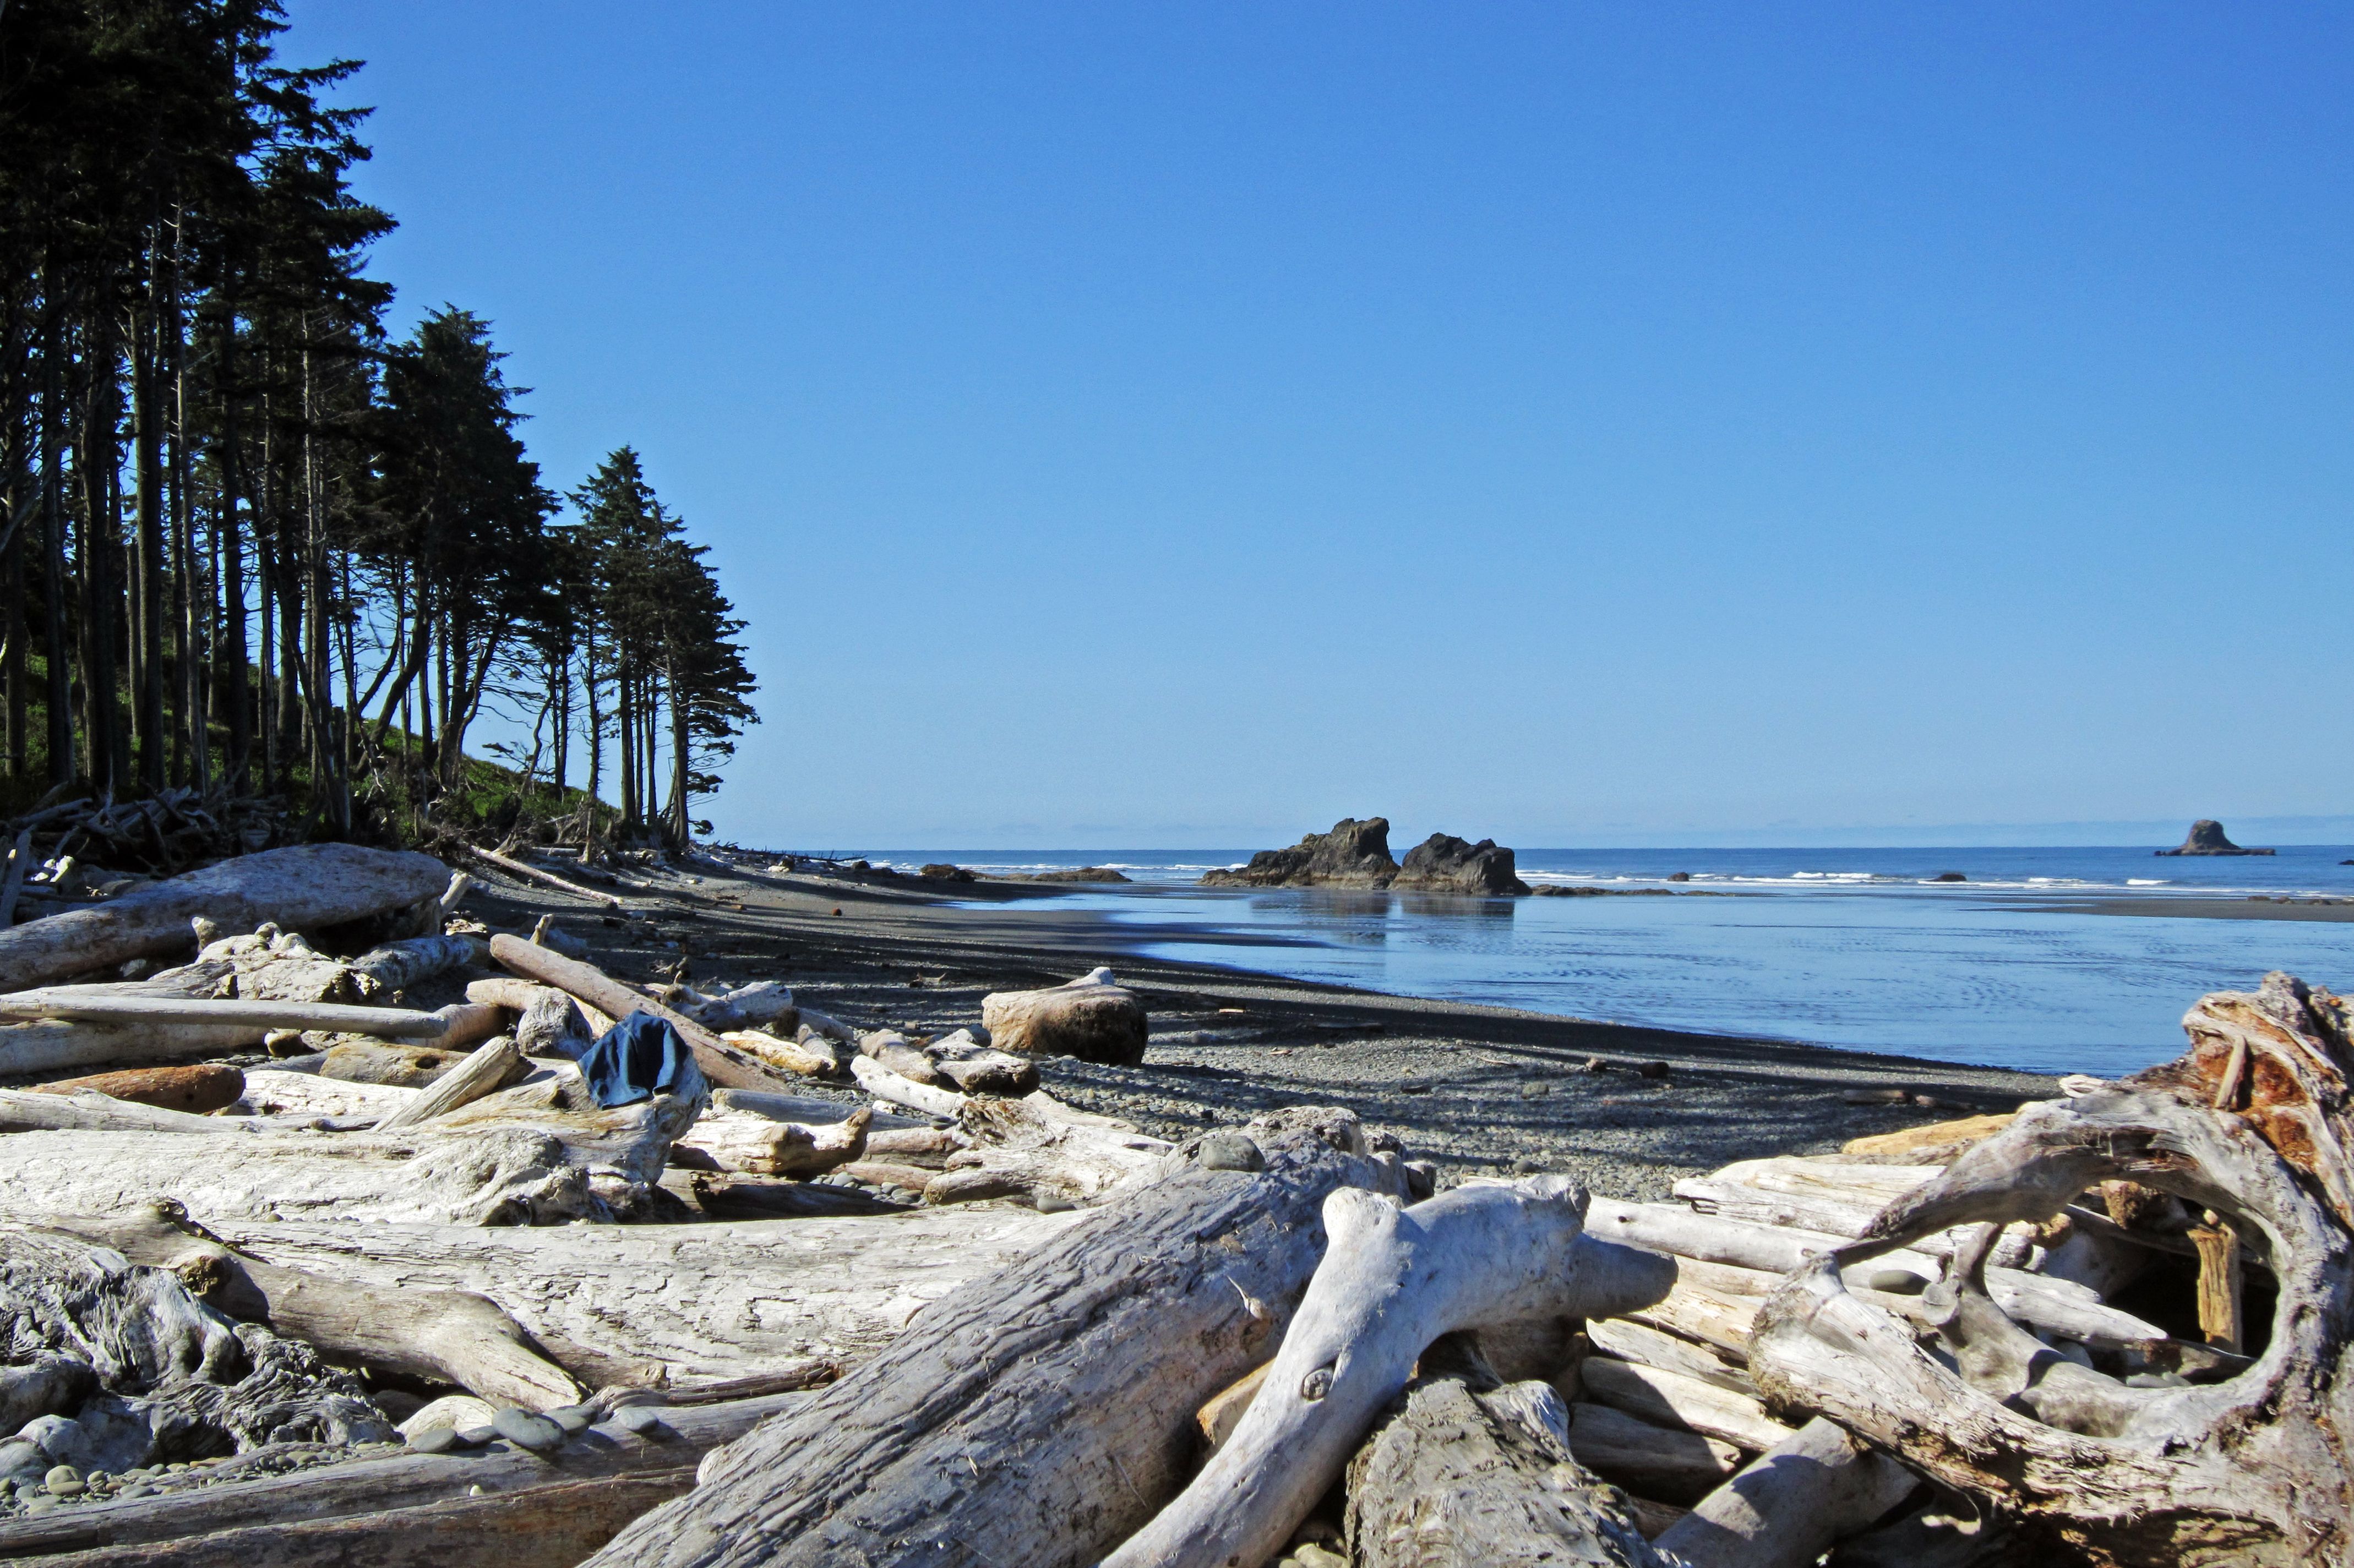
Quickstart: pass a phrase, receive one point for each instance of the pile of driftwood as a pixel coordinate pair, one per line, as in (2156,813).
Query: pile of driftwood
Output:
(403,1291)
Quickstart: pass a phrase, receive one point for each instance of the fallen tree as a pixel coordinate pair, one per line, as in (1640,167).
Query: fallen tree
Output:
(725,1065)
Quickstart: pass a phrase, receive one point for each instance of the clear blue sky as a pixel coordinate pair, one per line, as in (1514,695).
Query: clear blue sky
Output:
(1185,424)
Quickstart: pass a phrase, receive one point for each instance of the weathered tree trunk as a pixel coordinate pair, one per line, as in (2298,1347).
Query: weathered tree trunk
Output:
(1817,1487)
(477,1166)
(447,1335)
(93,1005)
(2251,1123)
(1460,1478)
(1673,1399)
(363,1511)
(207,1087)
(1393,1281)
(1040,1417)
(305,887)
(737,1140)
(490,1069)
(395,966)
(545,878)
(665,1305)
(721,1063)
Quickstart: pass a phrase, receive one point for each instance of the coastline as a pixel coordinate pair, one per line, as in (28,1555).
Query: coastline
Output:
(1480,1090)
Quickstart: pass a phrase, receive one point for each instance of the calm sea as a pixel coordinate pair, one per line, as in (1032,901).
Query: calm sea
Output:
(1853,947)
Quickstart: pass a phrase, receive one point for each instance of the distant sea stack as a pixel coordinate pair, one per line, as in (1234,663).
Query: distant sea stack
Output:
(1445,863)
(2207,838)
(1353,854)
(1357,855)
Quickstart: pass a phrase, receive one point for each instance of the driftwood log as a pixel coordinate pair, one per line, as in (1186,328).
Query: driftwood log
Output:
(2249,1125)
(1092,1018)
(498,1161)
(388,1509)
(1393,1281)
(514,867)
(449,1336)
(93,1006)
(724,1064)
(1816,1487)
(665,1305)
(490,1068)
(305,887)
(758,1146)
(1464,1474)
(1041,1416)
(196,1089)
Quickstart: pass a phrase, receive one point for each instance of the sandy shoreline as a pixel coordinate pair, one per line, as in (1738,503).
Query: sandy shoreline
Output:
(1481,1090)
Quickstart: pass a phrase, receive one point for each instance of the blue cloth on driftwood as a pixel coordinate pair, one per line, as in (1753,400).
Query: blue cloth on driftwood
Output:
(638,1058)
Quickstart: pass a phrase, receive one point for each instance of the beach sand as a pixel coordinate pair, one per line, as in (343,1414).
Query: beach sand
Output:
(1478,1090)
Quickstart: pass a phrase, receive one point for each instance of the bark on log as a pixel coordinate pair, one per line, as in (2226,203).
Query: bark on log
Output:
(1458,1479)
(1815,1488)
(723,1064)
(2250,1123)
(73,1003)
(1393,1281)
(756,1146)
(1041,1416)
(490,1069)
(666,1305)
(448,1335)
(208,1086)
(304,887)
(1091,1019)
(251,1521)
(477,1166)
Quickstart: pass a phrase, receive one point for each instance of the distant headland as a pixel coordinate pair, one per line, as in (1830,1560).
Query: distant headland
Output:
(2207,838)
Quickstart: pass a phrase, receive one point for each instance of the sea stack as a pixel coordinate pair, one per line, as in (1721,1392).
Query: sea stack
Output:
(1353,854)
(2207,838)
(1445,863)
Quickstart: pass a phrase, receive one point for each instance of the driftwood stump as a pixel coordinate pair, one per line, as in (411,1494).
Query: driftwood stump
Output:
(2240,1465)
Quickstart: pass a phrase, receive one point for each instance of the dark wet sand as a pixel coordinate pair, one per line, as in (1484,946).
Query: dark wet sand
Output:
(2254,908)
(1481,1090)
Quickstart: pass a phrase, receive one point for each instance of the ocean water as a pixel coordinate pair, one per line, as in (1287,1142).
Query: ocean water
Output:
(1853,947)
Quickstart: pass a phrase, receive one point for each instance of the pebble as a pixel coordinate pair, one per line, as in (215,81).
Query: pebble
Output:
(1052,1204)
(573,1418)
(524,1430)
(1414,1086)
(642,1419)
(1897,1281)
(434,1440)
(1229,1151)
(63,1481)
(1534,1091)
(475,1436)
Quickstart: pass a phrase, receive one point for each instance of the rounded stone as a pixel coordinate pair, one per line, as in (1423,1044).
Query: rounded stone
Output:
(475,1436)
(1897,1281)
(58,1473)
(1534,1091)
(1054,1202)
(434,1440)
(574,1418)
(1229,1151)
(640,1419)
(524,1430)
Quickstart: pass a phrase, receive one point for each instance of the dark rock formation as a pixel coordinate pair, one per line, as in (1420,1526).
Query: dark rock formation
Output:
(2207,838)
(1445,863)
(1353,854)
(1077,874)
(940,871)
(1949,876)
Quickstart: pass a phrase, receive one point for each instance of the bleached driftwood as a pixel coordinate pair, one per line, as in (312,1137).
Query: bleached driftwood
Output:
(666,1305)
(1672,1464)
(74,1003)
(1092,1018)
(808,1108)
(514,867)
(724,1066)
(1649,1347)
(1011,1147)
(979,1069)
(483,1164)
(395,1511)
(305,887)
(2250,1123)
(737,1140)
(1461,1473)
(785,1056)
(1040,1415)
(396,966)
(886,1084)
(196,1089)
(446,1335)
(57,1044)
(900,1054)
(87,1110)
(1392,1281)
(1814,1489)
(1673,1399)
(490,1069)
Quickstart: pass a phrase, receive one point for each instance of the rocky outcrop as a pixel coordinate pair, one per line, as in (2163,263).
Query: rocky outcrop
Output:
(1445,863)
(2207,838)
(1073,874)
(1353,854)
